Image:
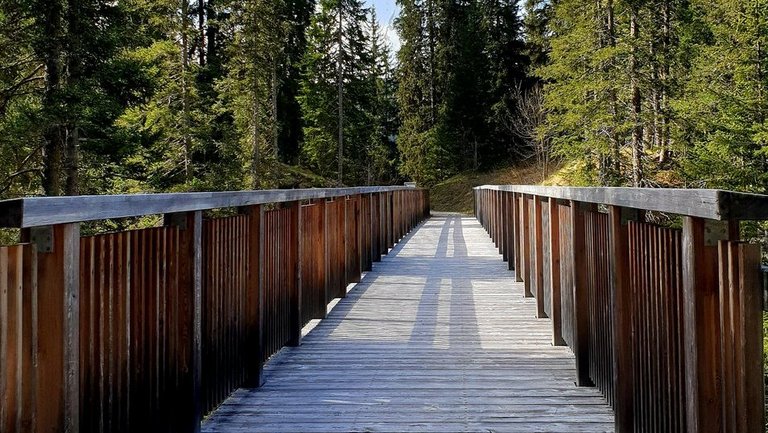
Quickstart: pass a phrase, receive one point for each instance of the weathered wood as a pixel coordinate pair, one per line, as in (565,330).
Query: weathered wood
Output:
(463,352)
(45,211)
(701,203)
(701,319)
(622,316)
(255,298)
(580,296)
(554,269)
(295,246)
(57,387)
(190,320)
(538,256)
(527,267)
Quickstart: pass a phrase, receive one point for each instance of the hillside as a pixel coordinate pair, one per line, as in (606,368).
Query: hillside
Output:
(455,194)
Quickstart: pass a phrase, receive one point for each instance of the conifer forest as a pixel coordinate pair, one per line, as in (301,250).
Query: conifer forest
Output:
(106,96)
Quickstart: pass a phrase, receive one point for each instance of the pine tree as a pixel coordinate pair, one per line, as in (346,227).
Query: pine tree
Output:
(724,107)
(333,92)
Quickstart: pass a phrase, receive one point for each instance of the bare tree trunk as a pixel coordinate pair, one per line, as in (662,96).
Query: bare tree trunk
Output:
(201,21)
(186,140)
(665,120)
(432,43)
(340,79)
(275,124)
(54,135)
(637,131)
(255,137)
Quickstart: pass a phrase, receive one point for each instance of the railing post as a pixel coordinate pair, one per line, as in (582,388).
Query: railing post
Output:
(701,319)
(255,297)
(58,278)
(622,318)
(526,266)
(554,273)
(509,228)
(580,295)
(295,247)
(504,229)
(538,259)
(514,262)
(190,289)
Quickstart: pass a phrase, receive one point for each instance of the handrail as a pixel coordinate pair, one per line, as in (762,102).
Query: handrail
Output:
(149,329)
(45,211)
(703,203)
(665,322)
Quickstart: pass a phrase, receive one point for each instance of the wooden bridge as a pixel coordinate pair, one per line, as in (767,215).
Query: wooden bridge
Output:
(574,315)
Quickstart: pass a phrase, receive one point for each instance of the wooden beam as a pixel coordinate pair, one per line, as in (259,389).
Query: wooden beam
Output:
(701,323)
(47,211)
(255,297)
(538,256)
(622,317)
(554,273)
(580,343)
(190,289)
(701,203)
(58,381)
(295,286)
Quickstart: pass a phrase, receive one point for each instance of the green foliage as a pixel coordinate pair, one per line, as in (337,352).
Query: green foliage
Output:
(460,66)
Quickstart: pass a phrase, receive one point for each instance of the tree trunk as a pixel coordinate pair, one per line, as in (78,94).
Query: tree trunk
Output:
(186,140)
(432,66)
(340,79)
(275,124)
(637,130)
(666,43)
(201,21)
(54,135)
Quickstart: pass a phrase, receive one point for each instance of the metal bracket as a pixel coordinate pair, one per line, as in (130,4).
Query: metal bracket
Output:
(629,214)
(715,231)
(176,219)
(42,237)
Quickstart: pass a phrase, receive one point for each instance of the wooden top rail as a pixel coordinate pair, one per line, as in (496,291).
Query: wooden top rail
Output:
(703,203)
(46,211)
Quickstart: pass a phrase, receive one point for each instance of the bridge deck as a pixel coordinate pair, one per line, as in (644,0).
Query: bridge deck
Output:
(437,338)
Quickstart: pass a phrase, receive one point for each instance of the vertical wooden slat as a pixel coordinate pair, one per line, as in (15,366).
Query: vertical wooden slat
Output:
(701,319)
(538,256)
(580,298)
(622,316)
(58,386)
(295,250)
(554,269)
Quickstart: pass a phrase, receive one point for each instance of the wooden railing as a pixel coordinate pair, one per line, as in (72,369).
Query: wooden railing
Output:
(666,322)
(147,330)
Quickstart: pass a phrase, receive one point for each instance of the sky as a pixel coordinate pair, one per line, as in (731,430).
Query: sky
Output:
(386,11)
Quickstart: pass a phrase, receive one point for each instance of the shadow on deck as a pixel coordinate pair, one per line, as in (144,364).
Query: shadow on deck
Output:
(438,337)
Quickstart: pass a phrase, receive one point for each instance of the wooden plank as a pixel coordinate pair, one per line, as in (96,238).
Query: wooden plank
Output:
(295,251)
(58,382)
(190,327)
(580,296)
(554,269)
(700,321)
(255,297)
(751,323)
(701,203)
(622,315)
(526,265)
(538,256)
(45,211)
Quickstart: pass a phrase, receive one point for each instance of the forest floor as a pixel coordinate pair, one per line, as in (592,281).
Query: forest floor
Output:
(455,194)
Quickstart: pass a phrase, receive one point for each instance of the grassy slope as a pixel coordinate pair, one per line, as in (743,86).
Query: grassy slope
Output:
(455,194)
